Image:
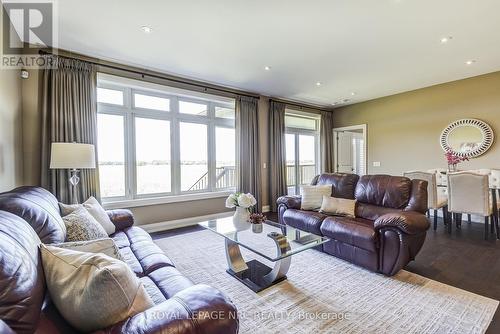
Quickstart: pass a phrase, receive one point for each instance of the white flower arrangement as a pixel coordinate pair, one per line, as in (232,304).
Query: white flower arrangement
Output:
(240,200)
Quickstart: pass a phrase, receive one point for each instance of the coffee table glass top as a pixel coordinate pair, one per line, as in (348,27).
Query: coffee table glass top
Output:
(264,242)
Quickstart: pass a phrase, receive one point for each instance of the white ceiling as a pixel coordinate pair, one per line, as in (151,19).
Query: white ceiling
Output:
(372,47)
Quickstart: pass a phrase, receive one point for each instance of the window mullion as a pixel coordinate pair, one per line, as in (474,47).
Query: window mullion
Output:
(297,165)
(175,152)
(212,169)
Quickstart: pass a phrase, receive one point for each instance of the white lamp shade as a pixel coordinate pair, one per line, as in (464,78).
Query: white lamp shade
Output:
(72,155)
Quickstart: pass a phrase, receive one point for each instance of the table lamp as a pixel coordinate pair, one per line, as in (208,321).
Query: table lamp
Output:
(72,156)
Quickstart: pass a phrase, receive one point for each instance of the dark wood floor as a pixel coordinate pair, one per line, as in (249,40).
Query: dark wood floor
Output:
(462,259)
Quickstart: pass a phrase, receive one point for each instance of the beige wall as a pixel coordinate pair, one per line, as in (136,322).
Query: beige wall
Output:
(31,128)
(404,129)
(11,169)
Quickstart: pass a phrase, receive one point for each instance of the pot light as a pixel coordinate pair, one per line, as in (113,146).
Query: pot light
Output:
(318,83)
(346,100)
(147,29)
(267,68)
(470,62)
(353,93)
(445,40)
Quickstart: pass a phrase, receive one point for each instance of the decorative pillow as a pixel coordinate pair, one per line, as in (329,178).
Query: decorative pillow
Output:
(92,291)
(95,209)
(81,226)
(105,246)
(338,206)
(312,196)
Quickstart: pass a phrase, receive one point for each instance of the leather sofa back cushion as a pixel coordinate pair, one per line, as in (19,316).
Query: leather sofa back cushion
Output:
(384,190)
(343,185)
(39,208)
(22,283)
(92,291)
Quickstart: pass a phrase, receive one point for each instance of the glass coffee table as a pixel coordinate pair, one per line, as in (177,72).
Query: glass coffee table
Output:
(272,241)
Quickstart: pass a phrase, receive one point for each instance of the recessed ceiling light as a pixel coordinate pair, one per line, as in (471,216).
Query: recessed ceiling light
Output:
(353,93)
(335,103)
(267,68)
(318,83)
(445,40)
(147,29)
(346,100)
(470,62)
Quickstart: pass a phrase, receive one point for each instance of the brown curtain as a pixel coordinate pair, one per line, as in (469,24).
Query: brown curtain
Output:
(277,156)
(249,175)
(326,140)
(69,114)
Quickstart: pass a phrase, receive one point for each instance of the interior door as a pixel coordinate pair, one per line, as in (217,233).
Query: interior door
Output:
(344,152)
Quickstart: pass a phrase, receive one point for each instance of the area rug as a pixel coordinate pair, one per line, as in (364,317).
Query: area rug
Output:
(324,294)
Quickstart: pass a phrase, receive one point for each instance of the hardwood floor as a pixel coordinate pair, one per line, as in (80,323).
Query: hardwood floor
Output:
(462,259)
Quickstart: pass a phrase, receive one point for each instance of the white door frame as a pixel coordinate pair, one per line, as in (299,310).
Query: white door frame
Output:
(361,127)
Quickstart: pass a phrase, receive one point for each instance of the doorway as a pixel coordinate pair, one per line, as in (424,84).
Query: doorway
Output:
(350,149)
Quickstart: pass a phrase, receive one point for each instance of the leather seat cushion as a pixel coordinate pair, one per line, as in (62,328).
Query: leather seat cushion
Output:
(139,251)
(358,232)
(309,221)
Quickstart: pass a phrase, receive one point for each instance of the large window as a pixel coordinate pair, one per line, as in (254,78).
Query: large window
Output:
(302,149)
(153,143)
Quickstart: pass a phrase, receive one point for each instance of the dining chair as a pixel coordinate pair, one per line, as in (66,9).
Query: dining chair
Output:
(436,196)
(469,193)
(441,178)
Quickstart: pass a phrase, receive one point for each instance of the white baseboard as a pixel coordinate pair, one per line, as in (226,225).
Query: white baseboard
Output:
(266,208)
(173,224)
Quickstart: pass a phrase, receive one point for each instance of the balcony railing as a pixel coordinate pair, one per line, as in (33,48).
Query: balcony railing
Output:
(306,174)
(225,178)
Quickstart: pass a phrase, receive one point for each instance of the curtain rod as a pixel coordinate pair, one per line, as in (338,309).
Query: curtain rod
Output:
(131,69)
(157,76)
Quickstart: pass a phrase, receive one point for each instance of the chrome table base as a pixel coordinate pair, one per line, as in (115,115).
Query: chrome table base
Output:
(254,274)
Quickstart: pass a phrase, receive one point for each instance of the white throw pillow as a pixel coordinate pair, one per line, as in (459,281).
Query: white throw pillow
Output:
(105,246)
(81,226)
(312,196)
(338,206)
(92,291)
(95,209)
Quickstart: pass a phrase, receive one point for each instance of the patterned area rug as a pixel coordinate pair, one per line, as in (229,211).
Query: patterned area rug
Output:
(324,294)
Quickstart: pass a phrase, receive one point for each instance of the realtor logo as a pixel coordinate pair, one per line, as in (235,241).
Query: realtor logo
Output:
(27,27)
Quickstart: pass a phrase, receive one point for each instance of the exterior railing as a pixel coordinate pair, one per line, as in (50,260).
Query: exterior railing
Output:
(306,174)
(225,178)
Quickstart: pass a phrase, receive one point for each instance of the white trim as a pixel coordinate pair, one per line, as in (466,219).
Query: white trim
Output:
(266,208)
(178,223)
(133,203)
(362,127)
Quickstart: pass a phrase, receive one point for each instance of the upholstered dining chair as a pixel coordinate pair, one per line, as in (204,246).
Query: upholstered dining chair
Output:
(469,193)
(436,196)
(441,178)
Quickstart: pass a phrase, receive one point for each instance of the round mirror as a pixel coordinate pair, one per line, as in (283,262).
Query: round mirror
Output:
(467,137)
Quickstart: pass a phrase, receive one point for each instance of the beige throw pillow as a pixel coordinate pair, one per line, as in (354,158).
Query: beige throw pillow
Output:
(312,196)
(338,206)
(81,226)
(95,209)
(92,291)
(105,246)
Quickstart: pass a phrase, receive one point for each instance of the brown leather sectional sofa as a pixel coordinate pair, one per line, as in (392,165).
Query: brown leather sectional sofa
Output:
(29,216)
(390,225)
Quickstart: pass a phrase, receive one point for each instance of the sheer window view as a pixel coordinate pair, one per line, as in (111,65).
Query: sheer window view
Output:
(301,142)
(139,144)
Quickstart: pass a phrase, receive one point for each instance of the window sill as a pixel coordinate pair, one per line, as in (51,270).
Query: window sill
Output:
(133,203)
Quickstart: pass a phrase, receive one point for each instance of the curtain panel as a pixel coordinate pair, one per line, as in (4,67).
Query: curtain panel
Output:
(249,174)
(69,114)
(326,140)
(277,154)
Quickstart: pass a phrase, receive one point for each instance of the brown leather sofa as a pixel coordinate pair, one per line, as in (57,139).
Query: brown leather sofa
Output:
(29,216)
(390,225)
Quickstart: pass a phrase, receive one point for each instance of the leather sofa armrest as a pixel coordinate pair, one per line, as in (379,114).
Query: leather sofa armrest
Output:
(409,222)
(122,218)
(291,202)
(197,309)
